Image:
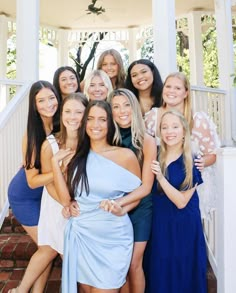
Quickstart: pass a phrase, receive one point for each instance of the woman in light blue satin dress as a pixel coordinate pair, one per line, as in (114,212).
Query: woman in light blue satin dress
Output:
(98,244)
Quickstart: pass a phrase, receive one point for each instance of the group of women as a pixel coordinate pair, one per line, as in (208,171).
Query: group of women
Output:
(111,175)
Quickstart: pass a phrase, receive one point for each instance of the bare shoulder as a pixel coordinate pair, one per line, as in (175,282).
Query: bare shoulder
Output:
(46,149)
(127,159)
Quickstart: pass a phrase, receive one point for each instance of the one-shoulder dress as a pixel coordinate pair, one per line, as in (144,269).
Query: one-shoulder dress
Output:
(24,201)
(177,252)
(98,245)
(51,224)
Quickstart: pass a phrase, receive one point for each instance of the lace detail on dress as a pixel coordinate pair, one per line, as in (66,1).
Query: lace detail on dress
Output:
(204,133)
(205,138)
(150,120)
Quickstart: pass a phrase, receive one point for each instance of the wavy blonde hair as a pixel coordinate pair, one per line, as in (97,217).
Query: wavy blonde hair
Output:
(137,123)
(187,152)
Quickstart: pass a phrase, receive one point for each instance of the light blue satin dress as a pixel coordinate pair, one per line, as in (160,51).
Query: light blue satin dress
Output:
(98,245)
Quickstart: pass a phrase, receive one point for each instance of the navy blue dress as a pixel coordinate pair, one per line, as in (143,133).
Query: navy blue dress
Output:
(141,216)
(177,259)
(24,201)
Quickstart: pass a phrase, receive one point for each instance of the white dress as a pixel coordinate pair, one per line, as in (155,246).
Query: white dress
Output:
(51,224)
(205,140)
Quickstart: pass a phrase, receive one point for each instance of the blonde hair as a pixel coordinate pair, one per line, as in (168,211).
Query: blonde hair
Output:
(120,81)
(187,101)
(105,78)
(137,123)
(187,152)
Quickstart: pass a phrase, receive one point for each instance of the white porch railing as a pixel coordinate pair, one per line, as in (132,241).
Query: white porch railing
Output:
(212,102)
(13,119)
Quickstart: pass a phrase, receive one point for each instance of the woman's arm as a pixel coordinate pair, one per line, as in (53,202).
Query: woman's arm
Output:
(179,198)
(34,178)
(128,202)
(149,154)
(59,180)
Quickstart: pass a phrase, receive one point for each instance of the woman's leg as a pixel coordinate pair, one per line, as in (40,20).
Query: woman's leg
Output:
(136,279)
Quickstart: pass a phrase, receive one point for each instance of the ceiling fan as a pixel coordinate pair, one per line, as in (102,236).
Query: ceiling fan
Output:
(92,9)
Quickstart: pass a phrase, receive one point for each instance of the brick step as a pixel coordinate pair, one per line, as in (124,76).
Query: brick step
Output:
(16,249)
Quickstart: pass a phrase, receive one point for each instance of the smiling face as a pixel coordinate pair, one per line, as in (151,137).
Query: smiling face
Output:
(174,93)
(46,103)
(121,110)
(97,124)
(141,77)
(172,131)
(72,114)
(97,89)
(110,66)
(68,83)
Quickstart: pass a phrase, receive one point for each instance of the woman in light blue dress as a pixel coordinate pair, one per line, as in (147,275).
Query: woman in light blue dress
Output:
(98,245)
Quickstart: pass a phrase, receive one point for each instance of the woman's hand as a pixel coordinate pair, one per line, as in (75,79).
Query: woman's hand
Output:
(66,212)
(199,162)
(74,209)
(112,206)
(156,169)
(64,156)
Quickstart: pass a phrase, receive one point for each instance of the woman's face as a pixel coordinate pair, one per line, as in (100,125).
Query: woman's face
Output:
(172,131)
(121,110)
(96,126)
(141,77)
(46,103)
(72,114)
(68,83)
(174,92)
(97,89)
(110,66)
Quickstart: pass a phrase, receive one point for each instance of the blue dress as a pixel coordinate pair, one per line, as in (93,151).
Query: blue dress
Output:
(177,259)
(98,245)
(141,216)
(24,201)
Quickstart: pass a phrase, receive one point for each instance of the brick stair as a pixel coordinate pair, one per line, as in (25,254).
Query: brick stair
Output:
(16,248)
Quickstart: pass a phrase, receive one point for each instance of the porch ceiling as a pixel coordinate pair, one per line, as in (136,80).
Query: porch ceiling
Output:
(119,14)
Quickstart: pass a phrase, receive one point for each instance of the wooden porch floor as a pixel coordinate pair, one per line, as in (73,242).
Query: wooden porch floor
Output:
(16,248)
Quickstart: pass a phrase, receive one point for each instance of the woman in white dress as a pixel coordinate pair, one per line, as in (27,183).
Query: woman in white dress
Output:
(51,221)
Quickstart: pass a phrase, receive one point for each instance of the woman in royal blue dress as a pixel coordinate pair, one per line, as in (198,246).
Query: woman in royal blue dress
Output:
(177,262)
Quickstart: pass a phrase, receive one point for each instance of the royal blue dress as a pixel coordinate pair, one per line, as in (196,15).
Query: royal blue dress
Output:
(24,201)
(177,251)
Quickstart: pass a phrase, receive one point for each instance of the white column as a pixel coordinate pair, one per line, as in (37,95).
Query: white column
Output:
(3,46)
(27,39)
(195,48)
(226,235)
(132,44)
(63,49)
(226,64)
(164,36)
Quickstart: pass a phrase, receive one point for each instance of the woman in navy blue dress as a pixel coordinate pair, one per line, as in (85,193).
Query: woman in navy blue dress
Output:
(177,262)
(25,189)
